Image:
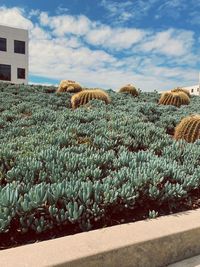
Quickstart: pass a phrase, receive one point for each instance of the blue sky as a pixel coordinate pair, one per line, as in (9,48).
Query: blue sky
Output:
(152,44)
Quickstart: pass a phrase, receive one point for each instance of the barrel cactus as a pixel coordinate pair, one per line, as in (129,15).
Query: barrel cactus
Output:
(129,88)
(179,89)
(170,98)
(69,86)
(85,96)
(188,129)
(184,98)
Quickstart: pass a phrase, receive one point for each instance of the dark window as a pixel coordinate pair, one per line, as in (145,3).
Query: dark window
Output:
(19,47)
(3,44)
(21,73)
(5,72)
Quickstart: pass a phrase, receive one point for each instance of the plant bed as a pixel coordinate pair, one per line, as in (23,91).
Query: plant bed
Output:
(63,171)
(147,243)
(14,238)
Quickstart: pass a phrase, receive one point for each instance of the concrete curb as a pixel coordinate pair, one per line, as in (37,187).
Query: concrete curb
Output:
(148,243)
(191,262)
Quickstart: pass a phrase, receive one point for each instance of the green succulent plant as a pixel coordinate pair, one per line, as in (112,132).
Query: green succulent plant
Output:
(60,166)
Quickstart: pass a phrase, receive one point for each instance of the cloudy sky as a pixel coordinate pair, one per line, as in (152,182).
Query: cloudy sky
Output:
(154,44)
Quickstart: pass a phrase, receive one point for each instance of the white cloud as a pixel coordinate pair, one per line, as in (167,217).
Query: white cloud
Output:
(37,33)
(172,8)
(59,50)
(61,10)
(94,33)
(33,13)
(170,42)
(69,41)
(66,24)
(123,11)
(50,54)
(115,38)
(14,17)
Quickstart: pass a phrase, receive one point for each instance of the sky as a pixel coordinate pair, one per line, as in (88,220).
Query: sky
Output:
(153,44)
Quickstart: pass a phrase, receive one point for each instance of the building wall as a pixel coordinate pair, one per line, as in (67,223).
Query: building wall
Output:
(194,90)
(14,59)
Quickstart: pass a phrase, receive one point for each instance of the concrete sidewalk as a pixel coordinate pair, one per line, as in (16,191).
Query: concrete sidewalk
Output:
(191,262)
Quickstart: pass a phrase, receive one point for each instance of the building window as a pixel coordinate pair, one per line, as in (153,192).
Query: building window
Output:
(21,74)
(192,90)
(19,47)
(3,44)
(5,72)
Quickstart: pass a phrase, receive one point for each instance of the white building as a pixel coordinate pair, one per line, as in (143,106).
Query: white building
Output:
(194,90)
(13,55)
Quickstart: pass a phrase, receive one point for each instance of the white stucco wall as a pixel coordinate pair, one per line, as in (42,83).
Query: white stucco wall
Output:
(14,59)
(194,90)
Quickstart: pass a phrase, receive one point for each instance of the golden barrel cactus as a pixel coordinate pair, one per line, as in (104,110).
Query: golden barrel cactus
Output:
(129,88)
(185,100)
(170,98)
(69,86)
(85,96)
(188,129)
(179,89)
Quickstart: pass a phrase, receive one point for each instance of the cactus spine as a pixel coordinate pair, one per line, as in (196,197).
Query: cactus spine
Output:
(69,86)
(185,100)
(188,129)
(129,88)
(170,98)
(85,96)
(179,89)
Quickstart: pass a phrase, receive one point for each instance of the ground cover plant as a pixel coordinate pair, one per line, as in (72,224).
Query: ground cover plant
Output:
(65,170)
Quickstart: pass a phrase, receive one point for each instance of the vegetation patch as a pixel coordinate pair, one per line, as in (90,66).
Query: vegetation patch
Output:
(65,170)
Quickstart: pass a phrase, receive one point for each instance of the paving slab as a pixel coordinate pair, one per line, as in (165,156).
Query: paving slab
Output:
(191,262)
